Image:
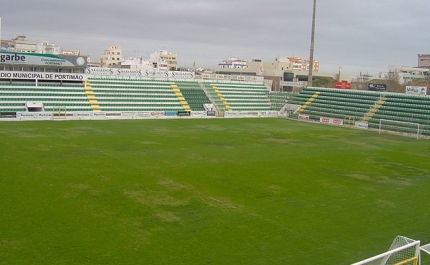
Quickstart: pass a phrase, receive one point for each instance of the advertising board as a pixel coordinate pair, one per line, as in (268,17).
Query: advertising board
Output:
(25,58)
(377,87)
(138,73)
(42,75)
(343,85)
(416,90)
(332,121)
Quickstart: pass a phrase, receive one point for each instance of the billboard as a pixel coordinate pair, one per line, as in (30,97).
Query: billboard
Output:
(38,59)
(377,87)
(139,73)
(343,85)
(42,75)
(416,90)
(333,121)
(291,83)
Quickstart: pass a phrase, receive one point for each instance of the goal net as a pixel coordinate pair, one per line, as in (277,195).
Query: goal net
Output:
(400,127)
(59,113)
(403,251)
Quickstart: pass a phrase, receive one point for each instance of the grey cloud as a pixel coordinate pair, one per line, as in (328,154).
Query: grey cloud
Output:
(359,35)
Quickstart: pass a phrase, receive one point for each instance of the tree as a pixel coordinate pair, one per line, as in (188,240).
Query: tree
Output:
(420,82)
(324,82)
(392,80)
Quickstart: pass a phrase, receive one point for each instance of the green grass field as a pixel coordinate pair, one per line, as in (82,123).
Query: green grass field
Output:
(207,191)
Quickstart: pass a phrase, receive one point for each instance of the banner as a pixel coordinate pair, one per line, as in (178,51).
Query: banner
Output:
(333,121)
(290,83)
(25,58)
(377,87)
(361,125)
(343,85)
(237,78)
(416,90)
(303,117)
(34,115)
(138,73)
(231,114)
(42,75)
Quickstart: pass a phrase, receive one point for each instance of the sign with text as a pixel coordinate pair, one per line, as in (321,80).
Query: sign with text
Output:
(304,117)
(42,75)
(343,85)
(333,121)
(377,87)
(25,58)
(416,90)
(297,84)
(361,125)
(140,73)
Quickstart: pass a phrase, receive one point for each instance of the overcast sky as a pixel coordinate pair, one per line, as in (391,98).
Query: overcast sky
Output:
(359,35)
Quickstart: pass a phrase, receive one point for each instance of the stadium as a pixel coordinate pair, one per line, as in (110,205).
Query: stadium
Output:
(114,166)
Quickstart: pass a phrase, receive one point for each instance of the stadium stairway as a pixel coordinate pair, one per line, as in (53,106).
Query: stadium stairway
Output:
(408,109)
(334,103)
(240,96)
(91,96)
(193,95)
(374,109)
(221,97)
(181,98)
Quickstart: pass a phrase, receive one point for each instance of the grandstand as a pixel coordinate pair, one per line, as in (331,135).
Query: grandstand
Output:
(113,95)
(31,87)
(66,87)
(366,107)
(16,97)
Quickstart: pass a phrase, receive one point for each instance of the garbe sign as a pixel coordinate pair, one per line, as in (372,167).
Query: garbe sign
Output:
(13,58)
(7,58)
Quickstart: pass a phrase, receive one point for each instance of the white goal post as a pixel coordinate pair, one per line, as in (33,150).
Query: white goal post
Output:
(400,126)
(426,248)
(403,251)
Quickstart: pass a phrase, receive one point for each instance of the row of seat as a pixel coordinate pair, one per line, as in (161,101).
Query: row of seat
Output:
(31,89)
(18,95)
(334,103)
(238,96)
(10,101)
(143,100)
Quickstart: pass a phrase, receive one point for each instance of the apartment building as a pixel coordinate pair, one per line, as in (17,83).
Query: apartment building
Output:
(111,56)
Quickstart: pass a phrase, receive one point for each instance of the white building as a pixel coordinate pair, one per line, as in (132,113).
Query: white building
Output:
(111,56)
(21,44)
(233,62)
(144,64)
(300,64)
(407,74)
(159,60)
(171,59)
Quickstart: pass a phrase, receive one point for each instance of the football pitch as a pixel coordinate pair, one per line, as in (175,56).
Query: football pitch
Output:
(207,191)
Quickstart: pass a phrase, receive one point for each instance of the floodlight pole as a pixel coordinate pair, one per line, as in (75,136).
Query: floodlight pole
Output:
(311,56)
